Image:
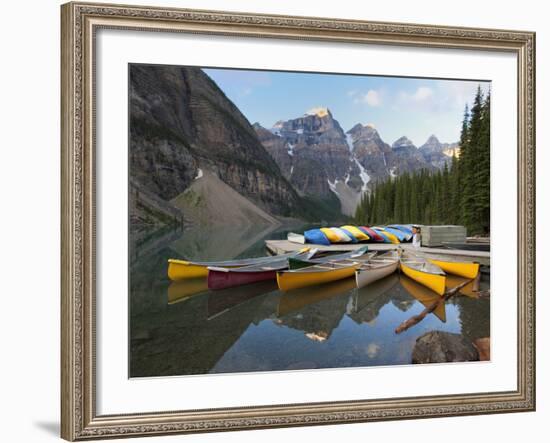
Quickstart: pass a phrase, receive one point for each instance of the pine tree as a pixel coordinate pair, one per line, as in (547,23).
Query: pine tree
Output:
(483,173)
(470,164)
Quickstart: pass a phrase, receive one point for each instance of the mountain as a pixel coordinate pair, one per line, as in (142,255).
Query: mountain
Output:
(407,157)
(319,159)
(370,150)
(438,154)
(315,155)
(183,128)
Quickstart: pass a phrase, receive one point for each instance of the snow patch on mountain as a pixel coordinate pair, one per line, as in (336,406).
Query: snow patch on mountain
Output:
(332,185)
(363,174)
(290,149)
(349,141)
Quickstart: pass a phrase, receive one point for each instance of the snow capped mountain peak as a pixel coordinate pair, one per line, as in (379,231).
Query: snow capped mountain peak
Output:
(318,111)
(403,142)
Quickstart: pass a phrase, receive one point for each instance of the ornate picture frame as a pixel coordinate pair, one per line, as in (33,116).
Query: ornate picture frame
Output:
(80,22)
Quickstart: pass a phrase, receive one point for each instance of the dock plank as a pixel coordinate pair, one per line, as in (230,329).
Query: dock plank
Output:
(278,247)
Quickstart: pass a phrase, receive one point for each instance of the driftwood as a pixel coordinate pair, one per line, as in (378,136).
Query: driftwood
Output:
(443,299)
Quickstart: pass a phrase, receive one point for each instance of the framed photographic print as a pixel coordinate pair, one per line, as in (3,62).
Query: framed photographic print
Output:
(282,221)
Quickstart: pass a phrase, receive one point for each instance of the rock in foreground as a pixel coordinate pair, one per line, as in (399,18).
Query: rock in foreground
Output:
(443,347)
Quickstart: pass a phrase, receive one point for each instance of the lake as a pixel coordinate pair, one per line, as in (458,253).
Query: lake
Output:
(181,328)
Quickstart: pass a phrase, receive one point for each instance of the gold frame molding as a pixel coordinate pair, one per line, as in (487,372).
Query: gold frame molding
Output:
(79,22)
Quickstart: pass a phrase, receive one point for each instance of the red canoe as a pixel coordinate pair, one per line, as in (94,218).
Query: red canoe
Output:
(221,278)
(371,233)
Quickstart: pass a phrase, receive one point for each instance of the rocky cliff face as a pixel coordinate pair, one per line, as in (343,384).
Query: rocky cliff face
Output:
(406,157)
(316,145)
(180,122)
(371,151)
(315,155)
(438,154)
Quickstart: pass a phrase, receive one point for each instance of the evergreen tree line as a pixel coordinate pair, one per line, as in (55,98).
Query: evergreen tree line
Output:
(458,195)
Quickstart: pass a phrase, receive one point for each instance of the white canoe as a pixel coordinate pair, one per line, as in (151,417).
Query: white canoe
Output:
(376,268)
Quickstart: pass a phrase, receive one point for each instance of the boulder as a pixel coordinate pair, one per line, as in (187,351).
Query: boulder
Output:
(443,347)
(483,345)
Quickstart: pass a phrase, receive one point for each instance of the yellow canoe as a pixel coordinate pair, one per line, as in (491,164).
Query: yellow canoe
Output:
(184,269)
(463,269)
(393,238)
(357,233)
(423,272)
(316,275)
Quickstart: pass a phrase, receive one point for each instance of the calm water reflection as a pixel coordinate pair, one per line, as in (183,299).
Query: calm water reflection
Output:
(182,328)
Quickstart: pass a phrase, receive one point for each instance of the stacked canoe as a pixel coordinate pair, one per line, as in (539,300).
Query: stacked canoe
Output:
(355,234)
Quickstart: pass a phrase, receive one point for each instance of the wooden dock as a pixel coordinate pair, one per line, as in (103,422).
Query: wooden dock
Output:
(278,247)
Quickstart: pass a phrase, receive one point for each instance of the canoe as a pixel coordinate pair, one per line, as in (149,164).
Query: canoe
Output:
(221,277)
(463,269)
(423,272)
(296,238)
(184,269)
(403,230)
(356,232)
(314,236)
(408,229)
(352,237)
(377,268)
(401,236)
(317,274)
(300,262)
(391,238)
(336,235)
(374,236)
(424,295)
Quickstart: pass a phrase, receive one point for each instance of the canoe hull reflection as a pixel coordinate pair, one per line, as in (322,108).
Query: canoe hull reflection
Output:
(288,280)
(179,291)
(228,279)
(425,296)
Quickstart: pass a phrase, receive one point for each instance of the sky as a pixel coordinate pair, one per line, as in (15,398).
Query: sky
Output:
(396,106)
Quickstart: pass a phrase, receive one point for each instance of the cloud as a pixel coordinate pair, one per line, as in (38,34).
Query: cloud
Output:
(372,97)
(441,96)
(423,94)
(461,93)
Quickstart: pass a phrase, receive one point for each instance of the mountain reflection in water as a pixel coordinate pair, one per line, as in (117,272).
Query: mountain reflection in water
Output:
(181,328)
